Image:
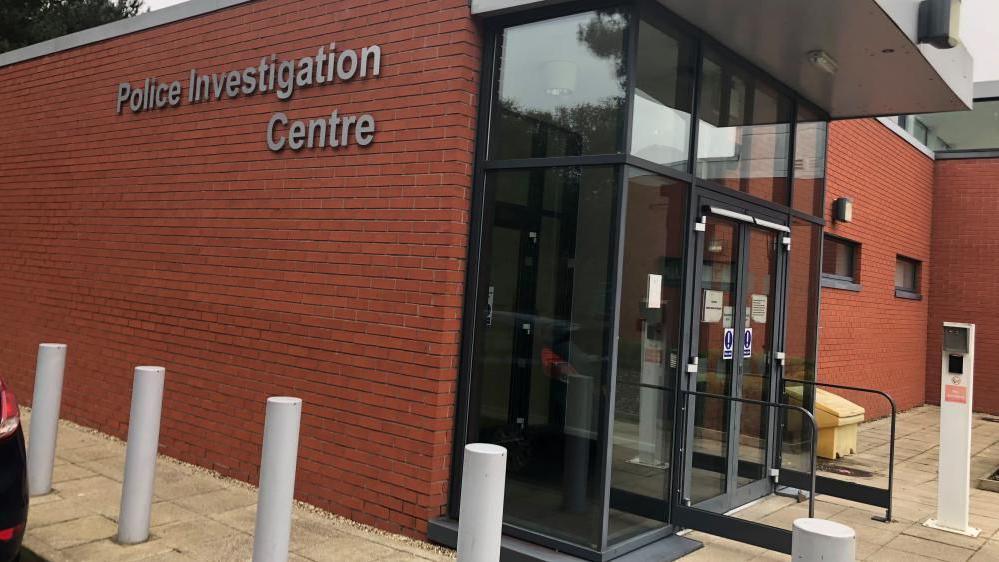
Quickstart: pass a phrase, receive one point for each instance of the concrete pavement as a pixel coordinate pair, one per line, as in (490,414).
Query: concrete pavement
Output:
(197,515)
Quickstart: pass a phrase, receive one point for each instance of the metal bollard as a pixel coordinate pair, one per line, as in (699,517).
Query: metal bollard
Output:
(45,416)
(480,517)
(820,540)
(140,455)
(278,460)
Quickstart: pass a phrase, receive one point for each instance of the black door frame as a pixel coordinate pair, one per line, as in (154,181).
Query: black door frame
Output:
(734,495)
(482,212)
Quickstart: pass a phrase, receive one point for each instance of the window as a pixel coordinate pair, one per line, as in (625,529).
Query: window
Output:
(743,140)
(562,87)
(809,162)
(840,265)
(663,96)
(907,278)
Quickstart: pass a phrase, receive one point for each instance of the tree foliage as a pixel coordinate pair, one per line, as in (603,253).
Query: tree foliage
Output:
(26,22)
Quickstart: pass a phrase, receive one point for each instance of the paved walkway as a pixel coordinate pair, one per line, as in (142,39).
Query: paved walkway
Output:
(915,498)
(197,515)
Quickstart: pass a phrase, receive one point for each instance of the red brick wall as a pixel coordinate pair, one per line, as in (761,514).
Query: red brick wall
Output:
(965,274)
(871,338)
(175,237)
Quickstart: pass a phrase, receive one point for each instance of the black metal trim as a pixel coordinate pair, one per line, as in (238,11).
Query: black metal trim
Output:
(742,530)
(852,491)
(474,280)
(967,154)
(556,162)
(891,442)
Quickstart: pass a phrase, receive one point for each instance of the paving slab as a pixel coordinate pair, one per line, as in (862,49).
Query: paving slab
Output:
(75,531)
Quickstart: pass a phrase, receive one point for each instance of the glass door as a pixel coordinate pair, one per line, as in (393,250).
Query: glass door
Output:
(738,308)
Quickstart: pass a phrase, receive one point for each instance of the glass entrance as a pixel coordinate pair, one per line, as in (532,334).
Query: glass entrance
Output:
(735,331)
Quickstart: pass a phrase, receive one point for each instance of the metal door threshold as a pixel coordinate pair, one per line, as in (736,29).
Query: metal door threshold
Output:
(445,531)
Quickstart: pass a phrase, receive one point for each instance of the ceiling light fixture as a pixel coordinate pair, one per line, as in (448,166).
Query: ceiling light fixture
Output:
(823,61)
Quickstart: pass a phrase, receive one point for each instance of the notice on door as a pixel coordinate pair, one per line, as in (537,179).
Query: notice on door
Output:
(728,343)
(956,394)
(655,294)
(713,306)
(759,309)
(747,343)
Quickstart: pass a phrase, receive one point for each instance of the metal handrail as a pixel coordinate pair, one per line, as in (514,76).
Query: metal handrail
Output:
(809,415)
(891,442)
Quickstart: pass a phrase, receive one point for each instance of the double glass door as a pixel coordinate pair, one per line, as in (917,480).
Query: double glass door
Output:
(735,333)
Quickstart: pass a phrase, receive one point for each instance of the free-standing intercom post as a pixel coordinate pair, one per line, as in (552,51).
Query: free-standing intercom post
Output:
(954,478)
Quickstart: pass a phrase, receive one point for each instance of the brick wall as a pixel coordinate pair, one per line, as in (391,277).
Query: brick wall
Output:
(175,237)
(871,338)
(965,274)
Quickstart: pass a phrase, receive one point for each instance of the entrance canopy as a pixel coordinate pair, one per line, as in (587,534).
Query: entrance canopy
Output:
(879,68)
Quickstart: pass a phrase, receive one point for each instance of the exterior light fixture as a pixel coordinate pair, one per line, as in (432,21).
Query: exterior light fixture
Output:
(939,23)
(560,77)
(843,210)
(823,61)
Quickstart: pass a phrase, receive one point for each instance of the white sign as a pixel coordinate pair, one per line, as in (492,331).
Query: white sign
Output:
(728,343)
(747,343)
(713,306)
(727,316)
(655,295)
(759,309)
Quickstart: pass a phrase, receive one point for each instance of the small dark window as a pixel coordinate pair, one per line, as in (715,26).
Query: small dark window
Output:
(907,277)
(840,259)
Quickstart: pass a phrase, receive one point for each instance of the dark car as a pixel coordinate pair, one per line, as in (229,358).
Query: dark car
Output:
(13,477)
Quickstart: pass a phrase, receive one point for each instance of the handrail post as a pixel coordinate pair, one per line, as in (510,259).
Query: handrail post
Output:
(891,444)
(812,424)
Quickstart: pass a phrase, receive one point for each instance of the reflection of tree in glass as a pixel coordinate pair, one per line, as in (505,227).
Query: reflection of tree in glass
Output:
(604,37)
(572,127)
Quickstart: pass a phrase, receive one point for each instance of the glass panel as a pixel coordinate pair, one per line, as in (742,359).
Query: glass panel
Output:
(801,334)
(810,138)
(907,275)
(648,348)
(715,367)
(977,129)
(545,352)
(761,279)
(839,258)
(661,122)
(562,87)
(742,142)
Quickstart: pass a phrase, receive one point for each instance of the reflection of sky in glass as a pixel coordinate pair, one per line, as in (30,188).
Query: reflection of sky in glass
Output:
(660,134)
(547,58)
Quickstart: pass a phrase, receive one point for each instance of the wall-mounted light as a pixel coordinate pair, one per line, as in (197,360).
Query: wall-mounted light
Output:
(940,23)
(843,210)
(823,61)
(560,77)
(715,246)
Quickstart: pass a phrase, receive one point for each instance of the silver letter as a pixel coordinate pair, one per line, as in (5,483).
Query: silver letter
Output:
(341,71)
(374,52)
(364,132)
(123,90)
(271,143)
(296,135)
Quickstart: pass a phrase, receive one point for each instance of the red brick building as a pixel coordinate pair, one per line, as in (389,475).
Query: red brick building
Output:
(589,232)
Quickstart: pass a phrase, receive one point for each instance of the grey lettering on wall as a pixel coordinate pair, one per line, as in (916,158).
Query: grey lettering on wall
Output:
(284,78)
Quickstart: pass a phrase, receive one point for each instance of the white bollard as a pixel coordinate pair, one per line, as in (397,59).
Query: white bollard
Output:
(278,460)
(820,540)
(45,416)
(140,455)
(480,516)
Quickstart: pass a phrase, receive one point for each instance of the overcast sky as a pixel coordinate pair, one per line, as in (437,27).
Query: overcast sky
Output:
(978,31)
